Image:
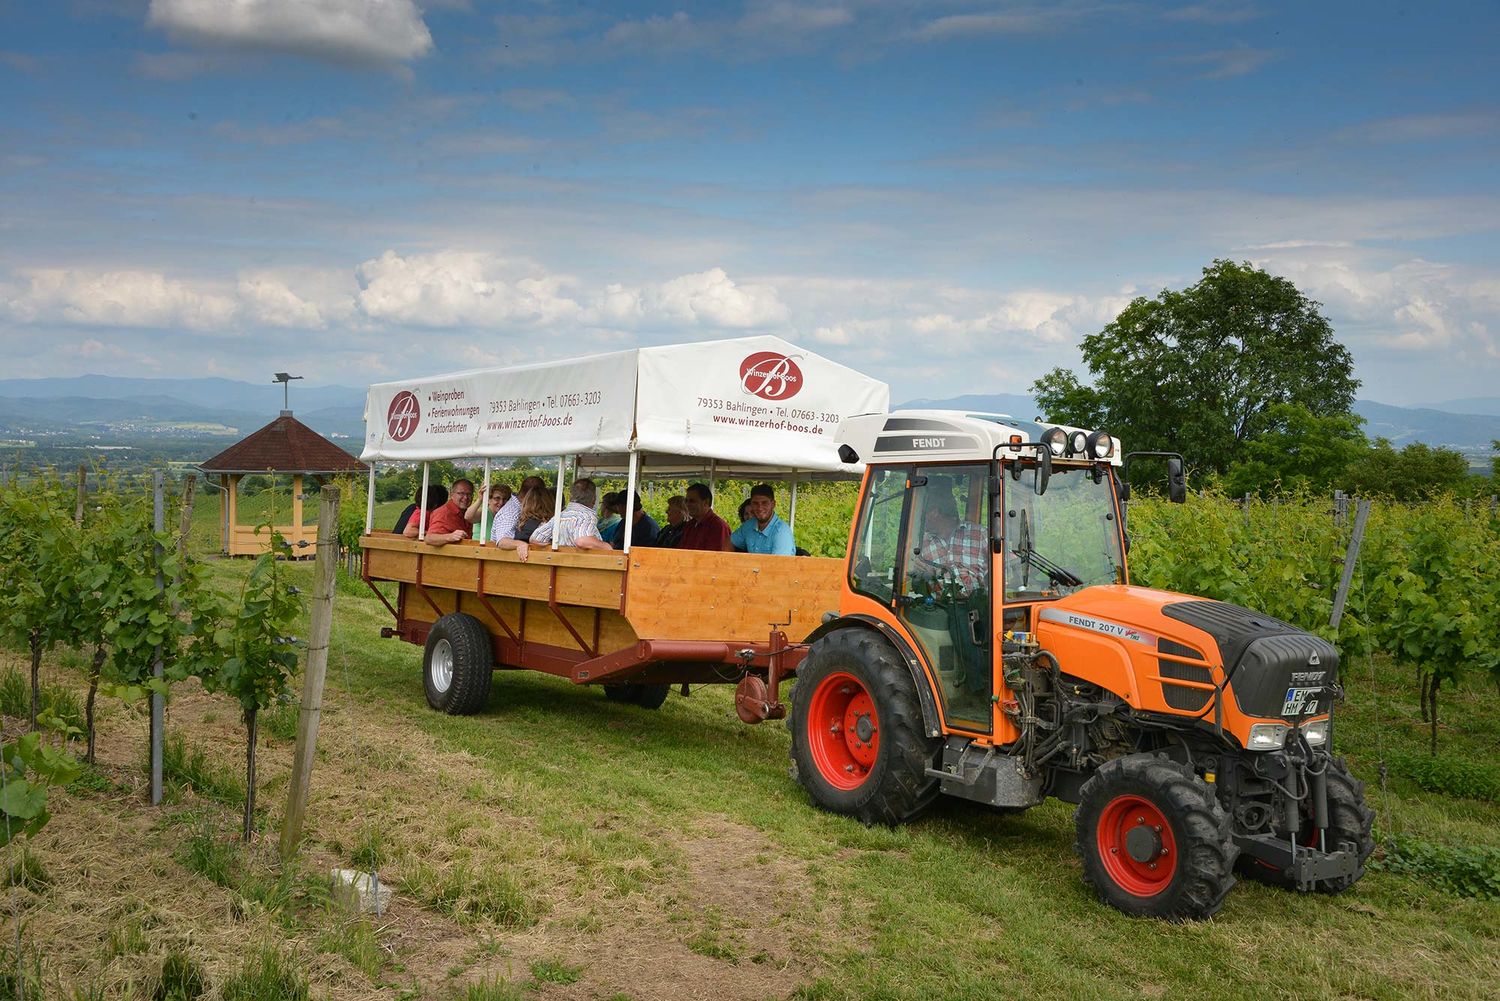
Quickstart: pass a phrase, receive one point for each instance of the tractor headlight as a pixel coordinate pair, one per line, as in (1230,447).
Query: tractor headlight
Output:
(1267,737)
(1100,445)
(1077,442)
(1316,733)
(1056,440)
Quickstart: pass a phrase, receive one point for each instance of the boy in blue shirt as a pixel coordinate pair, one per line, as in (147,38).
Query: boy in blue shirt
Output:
(764,534)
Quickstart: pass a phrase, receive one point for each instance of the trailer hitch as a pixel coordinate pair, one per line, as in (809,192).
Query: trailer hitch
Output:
(756,699)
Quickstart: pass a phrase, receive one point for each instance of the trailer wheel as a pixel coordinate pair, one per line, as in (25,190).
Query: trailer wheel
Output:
(456,665)
(858,745)
(1154,840)
(643,695)
(1350,823)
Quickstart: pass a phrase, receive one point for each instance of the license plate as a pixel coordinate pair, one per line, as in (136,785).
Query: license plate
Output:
(1301,701)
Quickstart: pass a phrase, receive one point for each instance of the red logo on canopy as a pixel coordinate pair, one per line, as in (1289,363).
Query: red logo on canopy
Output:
(402,419)
(770,376)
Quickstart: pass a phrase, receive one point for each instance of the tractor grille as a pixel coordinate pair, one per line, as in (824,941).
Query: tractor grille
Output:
(1180,696)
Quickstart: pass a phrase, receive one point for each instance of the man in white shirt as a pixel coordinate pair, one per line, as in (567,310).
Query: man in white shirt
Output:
(578,525)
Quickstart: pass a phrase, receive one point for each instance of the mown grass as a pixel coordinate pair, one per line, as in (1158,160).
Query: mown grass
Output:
(596,796)
(555,812)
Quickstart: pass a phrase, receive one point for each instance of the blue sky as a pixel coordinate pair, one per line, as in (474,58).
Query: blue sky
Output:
(947,195)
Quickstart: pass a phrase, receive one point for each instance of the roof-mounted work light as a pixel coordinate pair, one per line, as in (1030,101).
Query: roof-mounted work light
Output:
(1100,445)
(1056,440)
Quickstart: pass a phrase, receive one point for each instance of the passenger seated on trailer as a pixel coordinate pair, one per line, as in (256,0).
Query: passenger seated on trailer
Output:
(447,523)
(536,507)
(576,526)
(765,534)
(511,516)
(705,530)
(670,536)
(437,496)
(611,510)
(645,532)
(500,495)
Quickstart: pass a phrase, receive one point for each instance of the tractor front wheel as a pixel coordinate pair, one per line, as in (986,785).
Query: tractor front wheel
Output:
(1154,840)
(858,744)
(457,664)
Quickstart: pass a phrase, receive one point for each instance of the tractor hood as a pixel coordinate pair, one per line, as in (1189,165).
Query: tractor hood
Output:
(1169,652)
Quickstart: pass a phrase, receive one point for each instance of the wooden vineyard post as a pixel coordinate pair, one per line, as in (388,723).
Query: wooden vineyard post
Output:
(158,669)
(189,488)
(1361,514)
(317,670)
(83,493)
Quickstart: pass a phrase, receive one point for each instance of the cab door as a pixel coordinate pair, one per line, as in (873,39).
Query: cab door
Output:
(945,592)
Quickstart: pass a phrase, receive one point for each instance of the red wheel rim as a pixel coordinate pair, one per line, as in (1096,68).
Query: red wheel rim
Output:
(1136,846)
(843,731)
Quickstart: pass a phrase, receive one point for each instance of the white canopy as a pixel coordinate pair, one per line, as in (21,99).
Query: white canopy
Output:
(749,403)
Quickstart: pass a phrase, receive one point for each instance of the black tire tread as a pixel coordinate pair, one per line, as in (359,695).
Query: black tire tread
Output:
(899,790)
(1206,852)
(643,694)
(473,665)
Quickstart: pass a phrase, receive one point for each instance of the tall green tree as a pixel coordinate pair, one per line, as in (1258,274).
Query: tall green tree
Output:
(1416,472)
(1298,452)
(1198,371)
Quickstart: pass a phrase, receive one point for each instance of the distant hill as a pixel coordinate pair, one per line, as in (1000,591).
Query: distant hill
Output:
(214,393)
(1486,405)
(1470,433)
(102,404)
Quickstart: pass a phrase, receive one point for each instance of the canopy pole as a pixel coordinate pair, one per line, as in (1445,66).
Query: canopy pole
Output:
(562,468)
(630,500)
(484,506)
(713,476)
(422,506)
(792,511)
(370,502)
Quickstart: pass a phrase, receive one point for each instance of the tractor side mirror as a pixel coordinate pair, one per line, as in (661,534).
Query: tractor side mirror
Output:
(1043,470)
(1176,481)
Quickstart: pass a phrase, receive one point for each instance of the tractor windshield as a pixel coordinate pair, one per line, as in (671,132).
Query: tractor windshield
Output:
(1065,540)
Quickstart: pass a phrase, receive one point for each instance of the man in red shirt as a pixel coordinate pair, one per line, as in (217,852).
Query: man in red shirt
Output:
(447,523)
(705,530)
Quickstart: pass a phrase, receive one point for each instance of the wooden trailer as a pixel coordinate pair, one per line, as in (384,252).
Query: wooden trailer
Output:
(636,620)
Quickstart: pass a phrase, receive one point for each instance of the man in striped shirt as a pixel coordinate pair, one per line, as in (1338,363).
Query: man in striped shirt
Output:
(578,525)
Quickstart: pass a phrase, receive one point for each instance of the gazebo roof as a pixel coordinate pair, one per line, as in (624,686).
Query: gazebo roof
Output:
(285,445)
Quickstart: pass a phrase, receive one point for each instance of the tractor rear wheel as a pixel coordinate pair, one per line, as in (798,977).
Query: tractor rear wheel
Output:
(1154,840)
(644,695)
(456,665)
(858,744)
(1350,824)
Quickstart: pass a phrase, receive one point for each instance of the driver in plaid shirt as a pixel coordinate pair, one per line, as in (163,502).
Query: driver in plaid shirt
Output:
(953,550)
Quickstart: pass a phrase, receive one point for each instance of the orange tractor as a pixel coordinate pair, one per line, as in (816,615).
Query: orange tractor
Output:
(988,645)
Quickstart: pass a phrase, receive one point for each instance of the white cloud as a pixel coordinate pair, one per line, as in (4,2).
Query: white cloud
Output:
(119,299)
(1381,300)
(1423,128)
(1224,64)
(341,31)
(269,301)
(706,299)
(453,288)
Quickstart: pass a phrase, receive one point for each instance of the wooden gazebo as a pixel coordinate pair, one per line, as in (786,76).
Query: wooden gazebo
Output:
(284,447)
